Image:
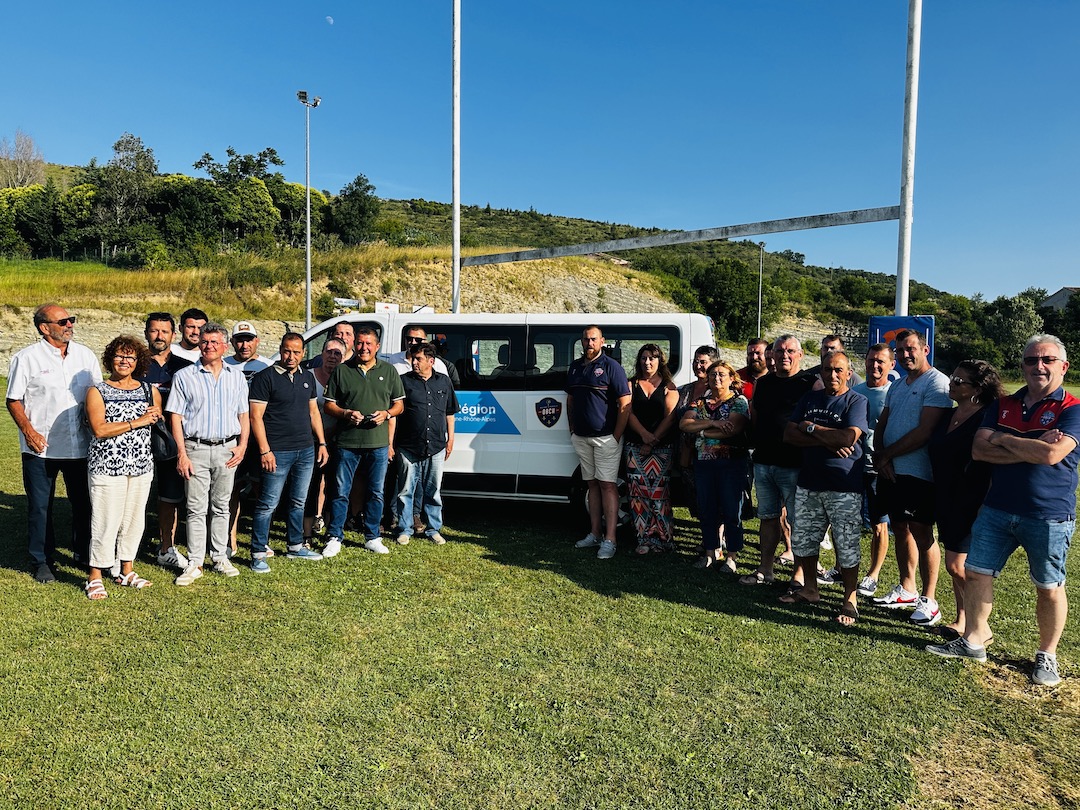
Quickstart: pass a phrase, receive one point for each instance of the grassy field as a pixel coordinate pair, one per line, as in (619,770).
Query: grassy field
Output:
(507,669)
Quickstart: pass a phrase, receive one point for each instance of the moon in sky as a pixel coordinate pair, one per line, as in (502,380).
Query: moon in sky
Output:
(330,20)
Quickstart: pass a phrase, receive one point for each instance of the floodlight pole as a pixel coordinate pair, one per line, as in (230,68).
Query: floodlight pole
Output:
(302,96)
(455,160)
(907,166)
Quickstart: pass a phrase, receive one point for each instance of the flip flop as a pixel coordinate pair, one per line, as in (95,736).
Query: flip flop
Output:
(756,578)
(847,612)
(795,596)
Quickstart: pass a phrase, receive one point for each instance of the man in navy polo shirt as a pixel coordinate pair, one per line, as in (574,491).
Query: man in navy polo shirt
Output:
(284,417)
(1031,439)
(597,409)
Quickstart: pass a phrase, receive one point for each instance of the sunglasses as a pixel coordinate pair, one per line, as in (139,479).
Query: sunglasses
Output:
(68,321)
(414,339)
(960,381)
(1031,362)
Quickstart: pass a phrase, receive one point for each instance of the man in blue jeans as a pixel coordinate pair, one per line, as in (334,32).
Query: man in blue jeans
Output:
(47,387)
(363,394)
(284,417)
(1030,438)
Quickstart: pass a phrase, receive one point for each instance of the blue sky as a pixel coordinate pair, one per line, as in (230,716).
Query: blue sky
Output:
(679,115)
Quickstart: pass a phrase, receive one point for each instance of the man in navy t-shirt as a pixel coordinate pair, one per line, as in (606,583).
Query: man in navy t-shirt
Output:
(1030,438)
(597,409)
(827,424)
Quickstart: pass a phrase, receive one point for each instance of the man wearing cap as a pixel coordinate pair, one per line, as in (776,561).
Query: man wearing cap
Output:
(245,357)
(47,385)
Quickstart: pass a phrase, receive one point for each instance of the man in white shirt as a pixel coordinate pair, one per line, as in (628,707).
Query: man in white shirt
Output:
(191,324)
(46,396)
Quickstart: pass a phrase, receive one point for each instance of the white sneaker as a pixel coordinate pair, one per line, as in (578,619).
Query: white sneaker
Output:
(191,573)
(588,541)
(173,558)
(403,539)
(927,613)
(607,550)
(437,538)
(333,547)
(897,598)
(374,544)
(223,566)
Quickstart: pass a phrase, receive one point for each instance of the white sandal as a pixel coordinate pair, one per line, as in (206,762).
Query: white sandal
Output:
(95,589)
(132,580)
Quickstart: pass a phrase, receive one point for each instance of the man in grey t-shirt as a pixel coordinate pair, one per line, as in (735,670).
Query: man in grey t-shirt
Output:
(913,407)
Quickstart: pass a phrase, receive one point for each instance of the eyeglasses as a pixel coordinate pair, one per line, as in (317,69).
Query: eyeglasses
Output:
(68,321)
(960,380)
(414,339)
(125,358)
(1031,362)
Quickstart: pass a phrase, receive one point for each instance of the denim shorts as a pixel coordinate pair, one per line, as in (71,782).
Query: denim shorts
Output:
(775,490)
(996,535)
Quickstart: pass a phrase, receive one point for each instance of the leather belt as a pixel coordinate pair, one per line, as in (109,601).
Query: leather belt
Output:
(213,442)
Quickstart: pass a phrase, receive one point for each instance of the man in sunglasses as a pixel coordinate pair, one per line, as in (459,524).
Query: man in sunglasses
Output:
(1030,438)
(47,386)
(402,361)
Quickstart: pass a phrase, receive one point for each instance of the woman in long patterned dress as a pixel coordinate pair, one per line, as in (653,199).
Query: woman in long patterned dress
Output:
(719,419)
(121,466)
(650,447)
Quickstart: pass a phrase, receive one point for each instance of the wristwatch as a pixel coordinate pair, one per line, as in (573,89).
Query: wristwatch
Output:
(810,427)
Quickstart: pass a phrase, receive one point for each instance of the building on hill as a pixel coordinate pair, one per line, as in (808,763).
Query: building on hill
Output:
(1059,299)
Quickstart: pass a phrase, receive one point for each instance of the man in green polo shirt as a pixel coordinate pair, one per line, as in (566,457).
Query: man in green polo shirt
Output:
(363,393)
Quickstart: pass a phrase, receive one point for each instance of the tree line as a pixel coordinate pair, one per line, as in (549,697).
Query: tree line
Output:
(125,213)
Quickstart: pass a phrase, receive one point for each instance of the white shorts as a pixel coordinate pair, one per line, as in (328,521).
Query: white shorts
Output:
(599,456)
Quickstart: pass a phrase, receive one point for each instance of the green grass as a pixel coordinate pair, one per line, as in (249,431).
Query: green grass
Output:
(506,669)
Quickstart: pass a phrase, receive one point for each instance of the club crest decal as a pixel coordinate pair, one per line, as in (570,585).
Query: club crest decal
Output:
(548,411)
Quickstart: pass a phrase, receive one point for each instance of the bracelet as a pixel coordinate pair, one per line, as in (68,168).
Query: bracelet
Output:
(322,444)
(131,427)
(268,452)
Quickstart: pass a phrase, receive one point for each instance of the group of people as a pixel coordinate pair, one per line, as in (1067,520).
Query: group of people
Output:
(316,441)
(830,454)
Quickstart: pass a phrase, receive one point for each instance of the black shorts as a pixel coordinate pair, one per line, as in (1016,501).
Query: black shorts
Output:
(170,484)
(908,499)
(876,509)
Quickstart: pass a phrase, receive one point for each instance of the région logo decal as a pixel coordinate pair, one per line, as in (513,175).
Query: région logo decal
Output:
(481,413)
(548,411)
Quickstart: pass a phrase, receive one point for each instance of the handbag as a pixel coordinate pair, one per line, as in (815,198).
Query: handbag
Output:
(162,444)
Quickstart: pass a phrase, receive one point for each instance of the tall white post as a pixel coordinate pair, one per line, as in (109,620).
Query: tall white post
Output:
(307,187)
(907,168)
(760,276)
(455,172)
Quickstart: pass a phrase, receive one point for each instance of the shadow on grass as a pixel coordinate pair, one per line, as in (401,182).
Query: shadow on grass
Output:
(541,537)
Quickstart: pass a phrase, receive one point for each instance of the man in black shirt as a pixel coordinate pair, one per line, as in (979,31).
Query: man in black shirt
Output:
(284,417)
(424,438)
(776,463)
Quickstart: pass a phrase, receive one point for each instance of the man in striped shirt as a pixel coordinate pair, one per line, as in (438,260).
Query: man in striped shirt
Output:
(209,407)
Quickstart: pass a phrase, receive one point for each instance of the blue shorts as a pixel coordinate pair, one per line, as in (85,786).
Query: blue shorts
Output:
(996,535)
(775,490)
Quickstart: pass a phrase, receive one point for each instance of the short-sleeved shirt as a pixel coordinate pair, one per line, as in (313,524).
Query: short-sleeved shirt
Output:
(353,389)
(748,382)
(596,387)
(52,388)
(287,418)
(250,367)
(710,449)
(422,428)
(875,404)
(209,406)
(822,470)
(1042,491)
(774,399)
(905,402)
(127,454)
(160,375)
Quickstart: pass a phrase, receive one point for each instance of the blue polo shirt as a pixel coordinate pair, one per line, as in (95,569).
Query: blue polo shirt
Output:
(1041,491)
(596,388)
(822,470)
